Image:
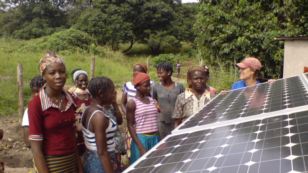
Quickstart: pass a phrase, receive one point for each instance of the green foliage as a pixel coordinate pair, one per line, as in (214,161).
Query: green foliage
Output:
(107,26)
(229,30)
(160,41)
(69,39)
(171,58)
(31,19)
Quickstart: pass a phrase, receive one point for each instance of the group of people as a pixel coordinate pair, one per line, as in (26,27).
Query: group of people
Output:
(76,130)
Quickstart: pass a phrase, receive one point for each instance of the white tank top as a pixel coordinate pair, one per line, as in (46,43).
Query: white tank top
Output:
(89,137)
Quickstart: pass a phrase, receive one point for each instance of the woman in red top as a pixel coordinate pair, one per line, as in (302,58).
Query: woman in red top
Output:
(52,118)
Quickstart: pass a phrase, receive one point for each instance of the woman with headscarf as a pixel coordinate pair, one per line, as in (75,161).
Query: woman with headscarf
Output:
(82,98)
(142,117)
(51,121)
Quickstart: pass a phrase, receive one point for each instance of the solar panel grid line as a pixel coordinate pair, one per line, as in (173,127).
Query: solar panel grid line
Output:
(242,119)
(242,152)
(210,102)
(131,167)
(268,98)
(304,78)
(284,96)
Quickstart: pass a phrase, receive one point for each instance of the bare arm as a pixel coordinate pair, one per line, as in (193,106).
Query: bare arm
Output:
(26,135)
(39,159)
(123,102)
(100,124)
(117,111)
(130,113)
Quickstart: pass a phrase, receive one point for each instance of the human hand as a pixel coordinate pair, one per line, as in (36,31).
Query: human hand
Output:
(142,151)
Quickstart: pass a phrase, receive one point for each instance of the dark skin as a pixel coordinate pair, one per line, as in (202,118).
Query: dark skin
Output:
(82,81)
(143,91)
(197,83)
(165,78)
(137,68)
(55,77)
(99,124)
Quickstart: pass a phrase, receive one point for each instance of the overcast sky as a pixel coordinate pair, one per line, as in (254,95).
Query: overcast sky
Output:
(186,1)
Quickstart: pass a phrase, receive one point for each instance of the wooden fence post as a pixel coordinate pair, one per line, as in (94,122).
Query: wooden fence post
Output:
(92,68)
(20,90)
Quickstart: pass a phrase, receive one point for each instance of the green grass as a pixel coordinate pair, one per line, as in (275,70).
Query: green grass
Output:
(112,64)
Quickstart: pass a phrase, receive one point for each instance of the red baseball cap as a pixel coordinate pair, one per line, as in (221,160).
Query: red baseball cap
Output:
(250,62)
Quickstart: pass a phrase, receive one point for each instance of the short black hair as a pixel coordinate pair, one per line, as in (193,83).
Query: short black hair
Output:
(99,84)
(37,82)
(166,66)
(203,69)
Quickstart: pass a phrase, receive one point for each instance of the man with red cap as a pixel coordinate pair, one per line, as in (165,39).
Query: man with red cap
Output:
(249,72)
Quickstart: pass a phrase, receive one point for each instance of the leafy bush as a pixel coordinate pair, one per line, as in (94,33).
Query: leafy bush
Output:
(164,58)
(69,39)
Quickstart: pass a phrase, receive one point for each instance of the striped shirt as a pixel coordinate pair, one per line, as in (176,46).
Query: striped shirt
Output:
(89,137)
(131,91)
(146,116)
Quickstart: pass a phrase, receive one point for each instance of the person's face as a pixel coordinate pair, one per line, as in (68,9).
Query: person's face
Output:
(55,76)
(246,73)
(163,75)
(144,88)
(138,68)
(198,81)
(82,81)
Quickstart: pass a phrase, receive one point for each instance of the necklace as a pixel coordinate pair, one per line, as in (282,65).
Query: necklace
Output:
(58,101)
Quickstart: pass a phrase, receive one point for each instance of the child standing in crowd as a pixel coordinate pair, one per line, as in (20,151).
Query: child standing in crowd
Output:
(36,84)
(142,114)
(99,128)
(82,99)
(51,119)
(166,93)
(195,96)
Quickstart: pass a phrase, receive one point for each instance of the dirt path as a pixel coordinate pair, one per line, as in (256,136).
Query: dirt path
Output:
(13,151)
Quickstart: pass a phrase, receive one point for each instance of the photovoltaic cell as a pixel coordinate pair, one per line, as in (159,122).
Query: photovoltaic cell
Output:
(275,140)
(274,145)
(263,98)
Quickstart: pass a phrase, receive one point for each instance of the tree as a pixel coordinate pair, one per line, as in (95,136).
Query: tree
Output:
(32,19)
(228,30)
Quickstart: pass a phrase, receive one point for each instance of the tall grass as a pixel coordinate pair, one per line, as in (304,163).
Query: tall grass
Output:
(112,64)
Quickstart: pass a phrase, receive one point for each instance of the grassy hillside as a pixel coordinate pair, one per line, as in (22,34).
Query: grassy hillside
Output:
(111,64)
(108,63)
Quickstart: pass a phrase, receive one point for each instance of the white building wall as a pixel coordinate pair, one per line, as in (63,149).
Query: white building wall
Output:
(295,57)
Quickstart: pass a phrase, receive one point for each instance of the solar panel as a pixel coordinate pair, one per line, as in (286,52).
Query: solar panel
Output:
(263,98)
(257,130)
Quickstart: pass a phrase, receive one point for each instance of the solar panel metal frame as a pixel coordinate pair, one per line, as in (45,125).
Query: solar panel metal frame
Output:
(178,131)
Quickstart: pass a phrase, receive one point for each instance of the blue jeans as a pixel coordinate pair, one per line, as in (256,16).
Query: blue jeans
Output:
(148,141)
(92,162)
